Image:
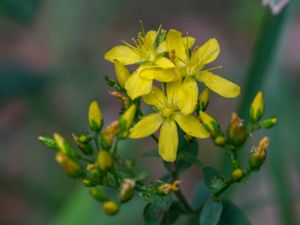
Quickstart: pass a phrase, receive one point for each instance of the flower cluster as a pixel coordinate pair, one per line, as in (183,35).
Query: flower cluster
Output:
(170,59)
(165,77)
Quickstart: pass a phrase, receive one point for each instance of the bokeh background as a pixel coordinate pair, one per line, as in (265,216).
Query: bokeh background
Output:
(52,66)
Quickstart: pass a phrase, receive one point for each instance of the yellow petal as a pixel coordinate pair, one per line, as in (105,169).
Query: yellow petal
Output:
(123,54)
(188,41)
(155,98)
(205,54)
(218,84)
(188,95)
(162,47)
(164,63)
(150,39)
(175,44)
(168,141)
(146,126)
(122,72)
(137,86)
(162,75)
(172,92)
(190,125)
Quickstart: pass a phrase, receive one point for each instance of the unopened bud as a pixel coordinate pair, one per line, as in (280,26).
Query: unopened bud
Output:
(210,124)
(69,165)
(122,98)
(126,190)
(237,174)
(48,141)
(95,117)
(168,188)
(104,160)
(257,107)
(64,146)
(122,72)
(203,100)
(108,134)
(259,154)
(126,120)
(82,144)
(88,183)
(236,131)
(98,194)
(220,140)
(268,123)
(110,208)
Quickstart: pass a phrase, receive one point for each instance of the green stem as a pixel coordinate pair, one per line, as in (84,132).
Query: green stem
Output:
(183,201)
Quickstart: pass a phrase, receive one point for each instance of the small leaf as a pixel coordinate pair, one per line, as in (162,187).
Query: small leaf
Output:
(172,215)
(213,179)
(211,213)
(153,214)
(232,215)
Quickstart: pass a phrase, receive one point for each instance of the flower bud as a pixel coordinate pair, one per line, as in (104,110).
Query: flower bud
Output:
(237,174)
(95,117)
(268,123)
(48,141)
(64,146)
(82,144)
(236,131)
(108,135)
(203,100)
(98,194)
(126,120)
(220,140)
(110,208)
(259,154)
(210,124)
(104,160)
(126,190)
(122,72)
(257,107)
(168,188)
(88,183)
(69,165)
(124,100)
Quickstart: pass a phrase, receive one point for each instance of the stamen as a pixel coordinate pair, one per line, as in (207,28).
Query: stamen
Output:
(142,27)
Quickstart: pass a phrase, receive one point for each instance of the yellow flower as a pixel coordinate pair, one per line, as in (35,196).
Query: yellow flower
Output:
(191,69)
(153,64)
(166,116)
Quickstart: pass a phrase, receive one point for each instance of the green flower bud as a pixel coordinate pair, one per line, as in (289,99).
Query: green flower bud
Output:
(268,123)
(220,140)
(257,107)
(210,124)
(64,146)
(48,141)
(203,100)
(72,167)
(95,117)
(82,144)
(126,190)
(108,134)
(237,174)
(126,120)
(98,194)
(236,131)
(110,208)
(104,160)
(88,183)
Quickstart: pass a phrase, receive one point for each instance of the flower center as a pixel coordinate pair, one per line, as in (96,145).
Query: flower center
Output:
(166,112)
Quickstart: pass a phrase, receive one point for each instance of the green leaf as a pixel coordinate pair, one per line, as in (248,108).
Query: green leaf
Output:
(202,195)
(172,215)
(211,213)
(232,215)
(151,153)
(153,214)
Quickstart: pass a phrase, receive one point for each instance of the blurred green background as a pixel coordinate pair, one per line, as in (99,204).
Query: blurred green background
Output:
(52,66)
